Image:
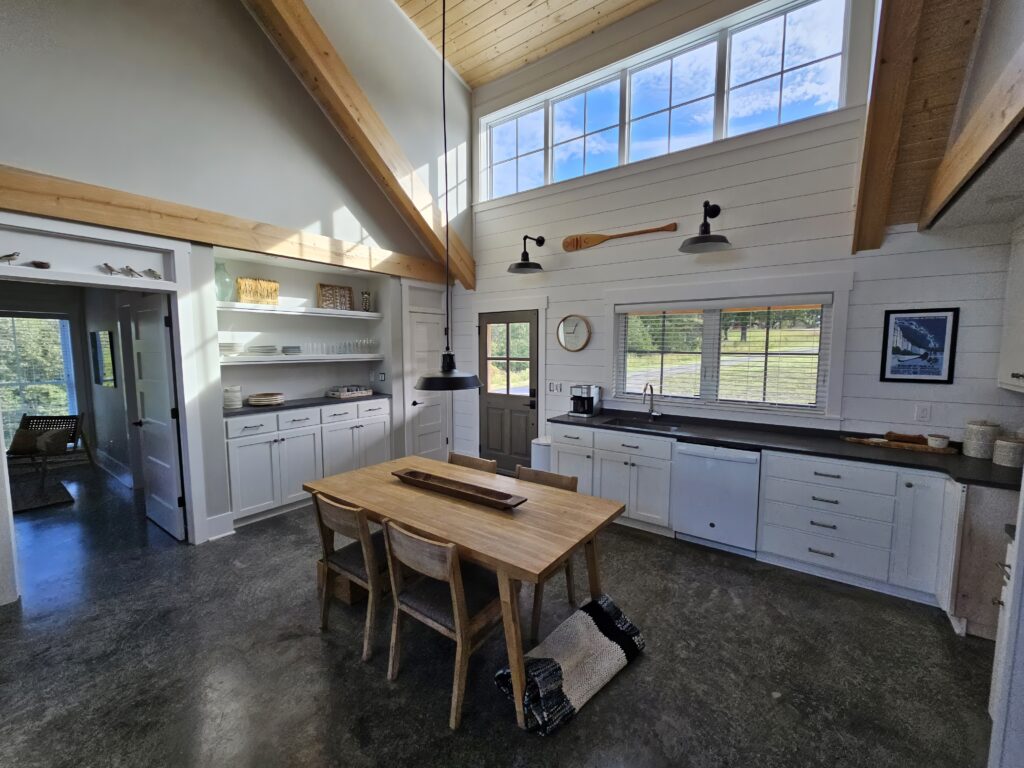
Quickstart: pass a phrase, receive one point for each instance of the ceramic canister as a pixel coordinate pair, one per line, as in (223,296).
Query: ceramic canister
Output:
(980,438)
(1008,452)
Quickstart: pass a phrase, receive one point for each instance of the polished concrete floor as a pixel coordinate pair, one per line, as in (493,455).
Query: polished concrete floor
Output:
(131,650)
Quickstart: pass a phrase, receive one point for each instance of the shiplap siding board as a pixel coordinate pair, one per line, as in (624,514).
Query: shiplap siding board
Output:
(788,208)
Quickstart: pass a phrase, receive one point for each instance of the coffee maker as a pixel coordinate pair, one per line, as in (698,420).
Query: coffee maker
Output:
(586,400)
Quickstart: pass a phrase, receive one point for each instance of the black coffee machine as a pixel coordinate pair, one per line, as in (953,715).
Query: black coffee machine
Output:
(586,400)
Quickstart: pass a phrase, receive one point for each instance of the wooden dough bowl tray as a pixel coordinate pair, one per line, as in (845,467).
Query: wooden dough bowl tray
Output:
(460,490)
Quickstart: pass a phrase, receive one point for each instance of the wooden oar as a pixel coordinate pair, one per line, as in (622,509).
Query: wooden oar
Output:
(579,242)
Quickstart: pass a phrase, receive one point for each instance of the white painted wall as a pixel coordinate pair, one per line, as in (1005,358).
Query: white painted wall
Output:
(788,207)
(109,408)
(189,102)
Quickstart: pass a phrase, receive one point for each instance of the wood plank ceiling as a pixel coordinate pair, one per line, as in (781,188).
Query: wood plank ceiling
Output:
(490,38)
(944,34)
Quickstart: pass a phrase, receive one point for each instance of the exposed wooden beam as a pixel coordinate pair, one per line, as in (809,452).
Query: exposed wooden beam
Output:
(984,130)
(303,44)
(894,62)
(29,192)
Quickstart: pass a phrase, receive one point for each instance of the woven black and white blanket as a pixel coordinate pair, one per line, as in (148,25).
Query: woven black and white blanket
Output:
(573,663)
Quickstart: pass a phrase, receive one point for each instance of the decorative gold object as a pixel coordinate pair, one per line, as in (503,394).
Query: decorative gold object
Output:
(333,296)
(255,290)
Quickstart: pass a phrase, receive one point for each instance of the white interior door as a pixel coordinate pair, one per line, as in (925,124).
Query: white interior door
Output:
(156,408)
(429,412)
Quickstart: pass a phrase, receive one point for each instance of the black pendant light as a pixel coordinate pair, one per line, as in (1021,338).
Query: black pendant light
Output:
(704,240)
(449,378)
(524,266)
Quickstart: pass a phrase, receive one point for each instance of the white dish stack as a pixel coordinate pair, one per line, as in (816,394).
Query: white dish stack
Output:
(980,439)
(261,349)
(266,398)
(230,348)
(232,397)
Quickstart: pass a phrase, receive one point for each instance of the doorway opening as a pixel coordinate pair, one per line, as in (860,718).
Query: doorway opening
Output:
(90,423)
(508,397)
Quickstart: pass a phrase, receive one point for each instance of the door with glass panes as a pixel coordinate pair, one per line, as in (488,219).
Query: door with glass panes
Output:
(508,395)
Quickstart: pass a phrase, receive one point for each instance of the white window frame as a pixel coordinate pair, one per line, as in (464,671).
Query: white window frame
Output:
(720,29)
(737,293)
(550,143)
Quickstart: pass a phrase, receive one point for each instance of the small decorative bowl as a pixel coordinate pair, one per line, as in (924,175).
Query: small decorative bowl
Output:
(938,441)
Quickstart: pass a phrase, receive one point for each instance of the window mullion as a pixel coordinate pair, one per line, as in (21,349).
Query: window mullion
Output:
(721,84)
(709,351)
(623,112)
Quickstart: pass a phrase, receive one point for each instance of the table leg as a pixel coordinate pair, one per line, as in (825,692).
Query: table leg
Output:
(593,573)
(513,641)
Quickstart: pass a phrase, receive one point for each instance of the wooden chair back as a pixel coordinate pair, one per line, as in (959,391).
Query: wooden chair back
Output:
(552,479)
(333,516)
(435,559)
(473,462)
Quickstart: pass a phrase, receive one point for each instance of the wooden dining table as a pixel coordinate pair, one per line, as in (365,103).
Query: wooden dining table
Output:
(526,544)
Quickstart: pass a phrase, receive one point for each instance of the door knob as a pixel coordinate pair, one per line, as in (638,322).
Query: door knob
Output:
(416,402)
(138,423)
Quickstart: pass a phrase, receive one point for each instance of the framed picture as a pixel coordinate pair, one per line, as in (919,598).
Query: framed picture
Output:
(919,345)
(102,343)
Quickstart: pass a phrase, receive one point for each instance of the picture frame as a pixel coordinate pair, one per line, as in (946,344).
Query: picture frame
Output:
(333,296)
(104,373)
(919,345)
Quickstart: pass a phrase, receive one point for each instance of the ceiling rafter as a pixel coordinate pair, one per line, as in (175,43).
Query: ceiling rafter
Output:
(298,37)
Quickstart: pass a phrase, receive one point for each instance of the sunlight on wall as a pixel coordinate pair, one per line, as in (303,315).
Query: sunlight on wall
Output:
(458,181)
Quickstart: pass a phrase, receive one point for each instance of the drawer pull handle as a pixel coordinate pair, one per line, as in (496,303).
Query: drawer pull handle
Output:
(371,410)
(830,526)
(822,552)
(826,474)
(827,501)
(305,419)
(624,445)
(571,437)
(253,426)
(332,415)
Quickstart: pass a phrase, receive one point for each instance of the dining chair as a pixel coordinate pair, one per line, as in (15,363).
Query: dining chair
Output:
(363,562)
(472,462)
(459,600)
(566,483)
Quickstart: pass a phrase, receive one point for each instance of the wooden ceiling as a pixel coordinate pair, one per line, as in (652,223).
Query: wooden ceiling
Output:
(490,38)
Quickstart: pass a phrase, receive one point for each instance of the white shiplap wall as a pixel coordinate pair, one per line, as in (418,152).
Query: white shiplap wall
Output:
(788,207)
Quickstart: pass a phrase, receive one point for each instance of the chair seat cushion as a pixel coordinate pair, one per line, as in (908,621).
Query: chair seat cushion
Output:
(349,559)
(433,598)
(47,442)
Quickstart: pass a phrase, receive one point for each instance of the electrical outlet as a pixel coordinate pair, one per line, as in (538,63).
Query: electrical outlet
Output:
(923,412)
(381,376)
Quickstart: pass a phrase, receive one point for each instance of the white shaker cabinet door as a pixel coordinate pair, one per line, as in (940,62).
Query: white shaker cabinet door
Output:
(300,460)
(612,474)
(340,449)
(918,532)
(652,481)
(254,475)
(575,462)
(374,440)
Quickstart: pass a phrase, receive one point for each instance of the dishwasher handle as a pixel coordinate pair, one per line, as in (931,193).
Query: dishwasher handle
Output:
(719,454)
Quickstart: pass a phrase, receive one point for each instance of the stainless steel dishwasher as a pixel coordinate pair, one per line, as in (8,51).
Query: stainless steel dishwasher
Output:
(714,495)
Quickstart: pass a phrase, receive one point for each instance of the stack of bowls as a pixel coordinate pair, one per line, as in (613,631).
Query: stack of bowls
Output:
(980,438)
(232,397)
(1008,452)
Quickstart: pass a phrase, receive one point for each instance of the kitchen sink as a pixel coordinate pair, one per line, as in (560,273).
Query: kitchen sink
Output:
(645,424)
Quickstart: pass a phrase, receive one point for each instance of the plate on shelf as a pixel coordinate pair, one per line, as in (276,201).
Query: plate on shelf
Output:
(266,398)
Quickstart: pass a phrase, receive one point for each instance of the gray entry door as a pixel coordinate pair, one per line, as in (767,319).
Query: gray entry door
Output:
(508,397)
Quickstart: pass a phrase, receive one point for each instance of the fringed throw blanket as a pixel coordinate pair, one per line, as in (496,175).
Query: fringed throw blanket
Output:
(573,663)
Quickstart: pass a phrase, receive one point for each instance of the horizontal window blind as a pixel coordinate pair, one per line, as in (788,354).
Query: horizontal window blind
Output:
(760,355)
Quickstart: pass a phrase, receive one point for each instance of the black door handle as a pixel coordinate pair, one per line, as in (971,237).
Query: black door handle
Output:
(138,423)
(532,405)
(416,402)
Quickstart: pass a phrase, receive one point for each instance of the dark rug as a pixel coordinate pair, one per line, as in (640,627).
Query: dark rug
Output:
(28,494)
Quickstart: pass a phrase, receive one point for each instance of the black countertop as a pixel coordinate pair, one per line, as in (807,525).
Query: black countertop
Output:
(730,434)
(308,402)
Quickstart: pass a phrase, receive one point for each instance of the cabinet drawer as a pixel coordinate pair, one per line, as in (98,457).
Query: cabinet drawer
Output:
(830,499)
(841,474)
(257,424)
(640,445)
(820,523)
(340,412)
(300,417)
(870,562)
(570,435)
(372,408)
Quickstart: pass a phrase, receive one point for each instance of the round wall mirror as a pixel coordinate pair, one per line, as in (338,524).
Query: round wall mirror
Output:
(573,333)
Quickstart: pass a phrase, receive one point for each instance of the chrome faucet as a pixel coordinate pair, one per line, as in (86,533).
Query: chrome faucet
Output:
(651,413)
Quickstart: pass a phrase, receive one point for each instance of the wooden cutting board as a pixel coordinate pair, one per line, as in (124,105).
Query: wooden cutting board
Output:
(881,442)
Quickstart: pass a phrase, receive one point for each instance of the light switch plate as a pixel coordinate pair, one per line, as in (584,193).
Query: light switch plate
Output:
(923,412)
(381,376)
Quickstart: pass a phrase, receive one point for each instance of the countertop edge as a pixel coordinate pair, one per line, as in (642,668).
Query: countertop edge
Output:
(304,402)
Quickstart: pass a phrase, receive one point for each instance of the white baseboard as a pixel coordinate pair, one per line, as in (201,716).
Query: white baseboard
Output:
(219,526)
(846,578)
(240,521)
(715,545)
(645,527)
(116,469)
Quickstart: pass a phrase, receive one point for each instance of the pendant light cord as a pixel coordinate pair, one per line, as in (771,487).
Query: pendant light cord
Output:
(444,134)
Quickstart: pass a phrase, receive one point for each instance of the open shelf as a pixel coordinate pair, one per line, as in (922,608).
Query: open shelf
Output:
(273,309)
(292,359)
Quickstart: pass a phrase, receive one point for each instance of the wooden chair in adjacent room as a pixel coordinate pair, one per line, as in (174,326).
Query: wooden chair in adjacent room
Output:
(566,483)
(459,600)
(363,562)
(472,462)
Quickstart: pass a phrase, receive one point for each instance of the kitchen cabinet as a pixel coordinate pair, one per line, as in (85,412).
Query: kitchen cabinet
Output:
(1011,349)
(639,482)
(612,476)
(255,480)
(374,438)
(917,532)
(339,448)
(300,460)
(576,462)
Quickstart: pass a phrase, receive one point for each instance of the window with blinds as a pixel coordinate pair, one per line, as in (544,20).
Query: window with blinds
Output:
(762,355)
